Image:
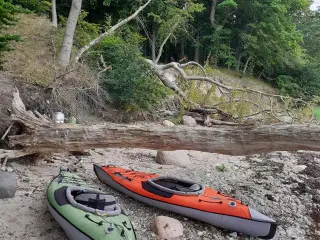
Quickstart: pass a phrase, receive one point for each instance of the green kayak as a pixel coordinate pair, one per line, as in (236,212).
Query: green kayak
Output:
(86,213)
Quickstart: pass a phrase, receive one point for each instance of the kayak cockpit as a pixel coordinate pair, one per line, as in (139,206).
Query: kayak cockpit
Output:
(92,201)
(176,186)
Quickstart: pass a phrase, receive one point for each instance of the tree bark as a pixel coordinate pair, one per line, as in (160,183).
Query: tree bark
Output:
(165,41)
(213,13)
(41,136)
(66,49)
(54,13)
(153,42)
(246,65)
(196,50)
(182,54)
(239,63)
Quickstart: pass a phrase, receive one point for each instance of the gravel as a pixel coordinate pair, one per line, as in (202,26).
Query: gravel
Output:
(282,185)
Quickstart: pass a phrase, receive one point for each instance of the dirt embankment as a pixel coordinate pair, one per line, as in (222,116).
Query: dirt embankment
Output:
(35,98)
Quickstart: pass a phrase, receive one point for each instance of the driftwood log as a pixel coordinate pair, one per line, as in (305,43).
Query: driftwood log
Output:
(38,135)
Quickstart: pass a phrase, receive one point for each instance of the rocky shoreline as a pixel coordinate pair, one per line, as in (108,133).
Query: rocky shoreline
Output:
(282,185)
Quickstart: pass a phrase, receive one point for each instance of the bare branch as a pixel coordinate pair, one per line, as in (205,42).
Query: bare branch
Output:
(110,31)
(194,63)
(165,41)
(5,162)
(7,131)
(105,67)
(178,68)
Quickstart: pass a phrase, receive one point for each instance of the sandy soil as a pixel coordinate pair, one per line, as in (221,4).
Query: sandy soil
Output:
(282,185)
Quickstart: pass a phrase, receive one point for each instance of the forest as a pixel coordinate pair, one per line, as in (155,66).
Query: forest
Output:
(274,40)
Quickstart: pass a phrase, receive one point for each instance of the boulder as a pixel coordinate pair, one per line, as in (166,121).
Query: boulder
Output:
(167,123)
(8,185)
(167,228)
(177,158)
(190,121)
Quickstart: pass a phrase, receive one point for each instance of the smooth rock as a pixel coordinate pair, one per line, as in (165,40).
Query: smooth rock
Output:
(8,185)
(233,234)
(167,123)
(167,228)
(190,121)
(200,234)
(178,158)
(299,168)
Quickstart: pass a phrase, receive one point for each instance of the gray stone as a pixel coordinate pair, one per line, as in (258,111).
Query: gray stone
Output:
(167,228)
(167,123)
(233,234)
(190,121)
(178,158)
(200,234)
(299,168)
(8,185)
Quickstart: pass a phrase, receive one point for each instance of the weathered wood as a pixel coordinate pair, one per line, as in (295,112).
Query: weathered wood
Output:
(39,136)
(220,139)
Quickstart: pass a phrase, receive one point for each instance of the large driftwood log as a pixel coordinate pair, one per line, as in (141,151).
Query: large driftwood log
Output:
(41,136)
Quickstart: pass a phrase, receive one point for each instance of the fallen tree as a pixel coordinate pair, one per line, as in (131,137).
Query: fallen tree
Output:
(262,105)
(38,135)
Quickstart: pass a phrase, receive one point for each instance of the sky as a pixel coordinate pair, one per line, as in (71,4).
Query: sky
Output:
(315,4)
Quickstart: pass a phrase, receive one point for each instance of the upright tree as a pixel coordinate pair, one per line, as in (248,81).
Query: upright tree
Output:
(54,13)
(66,49)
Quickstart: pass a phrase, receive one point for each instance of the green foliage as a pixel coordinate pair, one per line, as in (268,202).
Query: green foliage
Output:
(130,83)
(228,3)
(7,18)
(36,6)
(317,113)
(309,24)
(302,83)
(221,168)
(270,35)
(288,86)
(85,31)
(220,48)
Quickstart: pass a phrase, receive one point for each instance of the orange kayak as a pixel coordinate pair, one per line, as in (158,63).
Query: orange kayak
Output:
(188,198)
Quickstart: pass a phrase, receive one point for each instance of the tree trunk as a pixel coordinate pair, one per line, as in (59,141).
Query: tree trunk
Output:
(182,54)
(41,136)
(67,43)
(213,13)
(246,65)
(241,55)
(153,42)
(196,50)
(54,13)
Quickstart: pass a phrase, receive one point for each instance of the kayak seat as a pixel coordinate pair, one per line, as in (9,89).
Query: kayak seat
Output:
(176,186)
(92,200)
(97,201)
(193,188)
